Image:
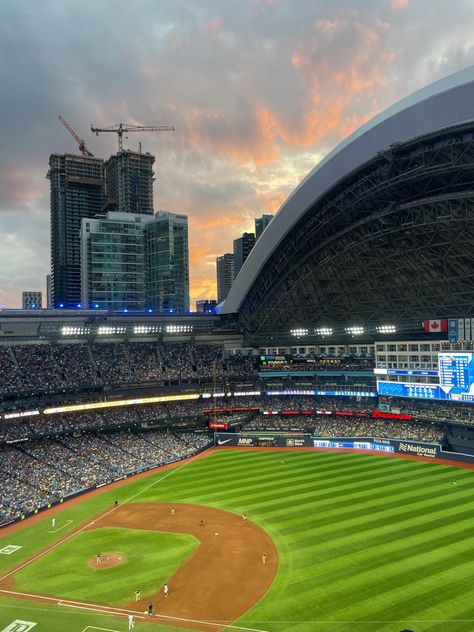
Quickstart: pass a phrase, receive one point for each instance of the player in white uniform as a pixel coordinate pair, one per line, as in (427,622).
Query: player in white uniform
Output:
(131,622)
(53,522)
(166,590)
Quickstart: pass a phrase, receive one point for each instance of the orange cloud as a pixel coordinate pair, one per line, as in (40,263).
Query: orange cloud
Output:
(255,136)
(397,5)
(214,24)
(272,200)
(14,175)
(17,187)
(26,195)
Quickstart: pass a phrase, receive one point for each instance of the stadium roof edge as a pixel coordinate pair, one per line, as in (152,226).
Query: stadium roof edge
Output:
(442,104)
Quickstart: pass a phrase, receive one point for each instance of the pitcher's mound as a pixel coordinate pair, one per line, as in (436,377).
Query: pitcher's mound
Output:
(108,560)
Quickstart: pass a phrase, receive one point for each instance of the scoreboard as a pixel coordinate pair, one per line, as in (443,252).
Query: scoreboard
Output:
(456,381)
(456,372)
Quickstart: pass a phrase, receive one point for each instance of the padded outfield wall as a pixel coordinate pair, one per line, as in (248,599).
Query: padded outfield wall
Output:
(375,445)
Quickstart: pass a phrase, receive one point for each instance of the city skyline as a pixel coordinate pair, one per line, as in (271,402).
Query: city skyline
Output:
(259,91)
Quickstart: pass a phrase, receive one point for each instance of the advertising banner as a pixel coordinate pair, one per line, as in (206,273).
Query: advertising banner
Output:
(371,444)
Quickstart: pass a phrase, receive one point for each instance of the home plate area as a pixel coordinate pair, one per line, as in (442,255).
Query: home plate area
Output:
(218,564)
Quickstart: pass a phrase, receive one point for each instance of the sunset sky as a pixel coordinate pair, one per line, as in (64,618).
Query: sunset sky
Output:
(258,90)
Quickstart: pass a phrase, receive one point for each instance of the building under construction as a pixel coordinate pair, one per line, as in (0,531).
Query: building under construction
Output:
(129,177)
(77,187)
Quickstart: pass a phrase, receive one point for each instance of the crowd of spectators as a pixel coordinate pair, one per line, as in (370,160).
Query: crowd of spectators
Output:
(46,368)
(361,427)
(36,473)
(75,363)
(239,366)
(320,363)
(113,363)
(347,426)
(10,379)
(177,360)
(194,412)
(164,414)
(146,362)
(38,367)
(437,411)
(66,367)
(208,361)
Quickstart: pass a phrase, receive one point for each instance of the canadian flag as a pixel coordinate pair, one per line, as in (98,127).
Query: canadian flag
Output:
(432,326)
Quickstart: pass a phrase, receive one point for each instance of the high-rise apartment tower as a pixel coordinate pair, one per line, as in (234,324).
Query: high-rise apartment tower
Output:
(113,262)
(129,182)
(225,275)
(242,247)
(261,223)
(76,191)
(167,261)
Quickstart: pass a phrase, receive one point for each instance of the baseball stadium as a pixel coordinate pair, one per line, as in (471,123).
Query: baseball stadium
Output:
(302,460)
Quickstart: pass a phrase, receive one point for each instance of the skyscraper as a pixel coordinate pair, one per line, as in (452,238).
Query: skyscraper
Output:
(225,275)
(49,301)
(261,223)
(129,182)
(113,261)
(76,192)
(242,247)
(167,262)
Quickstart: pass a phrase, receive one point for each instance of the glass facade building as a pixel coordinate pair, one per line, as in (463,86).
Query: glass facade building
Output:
(166,247)
(225,275)
(261,223)
(113,262)
(135,262)
(242,247)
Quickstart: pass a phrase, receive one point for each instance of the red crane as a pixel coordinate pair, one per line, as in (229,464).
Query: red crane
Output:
(82,145)
(120,128)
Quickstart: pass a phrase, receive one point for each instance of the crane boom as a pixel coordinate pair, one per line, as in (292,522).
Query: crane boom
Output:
(120,128)
(82,145)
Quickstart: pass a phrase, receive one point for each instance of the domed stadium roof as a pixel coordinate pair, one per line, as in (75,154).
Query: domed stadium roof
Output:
(382,228)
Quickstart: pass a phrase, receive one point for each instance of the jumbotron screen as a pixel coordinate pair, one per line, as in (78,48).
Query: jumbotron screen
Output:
(456,381)
(456,374)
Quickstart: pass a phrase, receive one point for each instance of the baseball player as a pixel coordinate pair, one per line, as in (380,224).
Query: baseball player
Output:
(137,594)
(173,511)
(53,522)
(201,524)
(150,610)
(131,622)
(98,559)
(166,590)
(264,558)
(244,517)
(455,483)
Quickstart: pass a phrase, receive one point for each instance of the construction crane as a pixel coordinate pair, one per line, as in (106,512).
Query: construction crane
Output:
(120,128)
(82,145)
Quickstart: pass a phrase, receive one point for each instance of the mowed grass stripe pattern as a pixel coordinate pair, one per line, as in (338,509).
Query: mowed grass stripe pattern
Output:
(361,537)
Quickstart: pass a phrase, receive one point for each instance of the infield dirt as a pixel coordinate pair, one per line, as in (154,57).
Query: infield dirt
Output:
(222,579)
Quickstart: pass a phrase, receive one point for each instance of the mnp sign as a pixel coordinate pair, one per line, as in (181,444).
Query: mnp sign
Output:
(19,626)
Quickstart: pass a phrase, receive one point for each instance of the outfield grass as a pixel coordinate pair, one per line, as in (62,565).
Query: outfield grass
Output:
(366,543)
(150,558)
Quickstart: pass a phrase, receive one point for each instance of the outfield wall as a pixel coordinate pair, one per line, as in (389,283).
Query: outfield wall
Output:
(370,444)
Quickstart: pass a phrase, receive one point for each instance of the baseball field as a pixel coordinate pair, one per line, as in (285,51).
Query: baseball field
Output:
(334,542)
